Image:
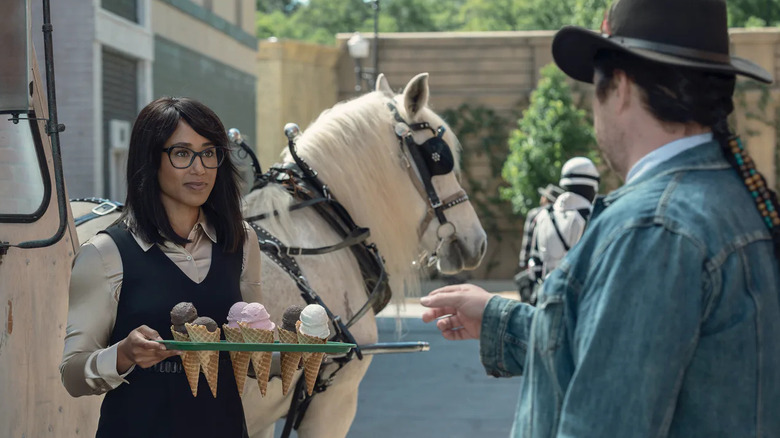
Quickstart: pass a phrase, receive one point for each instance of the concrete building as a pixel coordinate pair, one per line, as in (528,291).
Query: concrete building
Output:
(114,56)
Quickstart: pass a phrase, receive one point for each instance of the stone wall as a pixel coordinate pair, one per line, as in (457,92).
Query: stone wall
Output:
(295,82)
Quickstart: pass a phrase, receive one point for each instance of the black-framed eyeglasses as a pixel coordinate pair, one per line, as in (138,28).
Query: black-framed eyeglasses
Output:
(182,157)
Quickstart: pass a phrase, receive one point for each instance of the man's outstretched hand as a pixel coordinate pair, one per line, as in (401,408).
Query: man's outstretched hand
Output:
(457,310)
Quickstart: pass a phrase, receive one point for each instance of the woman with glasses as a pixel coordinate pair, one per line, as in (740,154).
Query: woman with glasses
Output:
(180,238)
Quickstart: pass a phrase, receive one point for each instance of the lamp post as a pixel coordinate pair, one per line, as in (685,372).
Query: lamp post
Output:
(359,48)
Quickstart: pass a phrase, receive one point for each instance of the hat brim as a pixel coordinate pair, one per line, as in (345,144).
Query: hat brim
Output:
(548,193)
(574,50)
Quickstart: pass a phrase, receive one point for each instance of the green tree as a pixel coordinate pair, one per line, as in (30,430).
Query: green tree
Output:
(269,6)
(550,131)
(320,20)
(481,15)
(754,13)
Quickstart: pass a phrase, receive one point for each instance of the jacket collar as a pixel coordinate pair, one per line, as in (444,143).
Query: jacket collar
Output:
(202,225)
(706,156)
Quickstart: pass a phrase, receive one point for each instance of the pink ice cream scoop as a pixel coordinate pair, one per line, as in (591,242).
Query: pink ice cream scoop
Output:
(234,314)
(255,315)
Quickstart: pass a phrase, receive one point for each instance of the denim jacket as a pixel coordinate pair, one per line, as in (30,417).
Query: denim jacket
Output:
(663,321)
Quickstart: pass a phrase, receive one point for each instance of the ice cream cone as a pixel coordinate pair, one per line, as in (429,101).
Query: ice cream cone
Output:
(289,360)
(189,361)
(240,359)
(311,361)
(209,359)
(261,360)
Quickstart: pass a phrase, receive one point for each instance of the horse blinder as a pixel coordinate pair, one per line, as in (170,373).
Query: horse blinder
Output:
(437,154)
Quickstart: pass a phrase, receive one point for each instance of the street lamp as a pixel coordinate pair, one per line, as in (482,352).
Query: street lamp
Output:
(359,49)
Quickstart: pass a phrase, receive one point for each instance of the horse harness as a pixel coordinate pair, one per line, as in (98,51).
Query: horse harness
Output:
(103,207)
(431,158)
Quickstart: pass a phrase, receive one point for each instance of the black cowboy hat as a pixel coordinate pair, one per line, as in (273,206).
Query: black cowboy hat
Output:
(685,33)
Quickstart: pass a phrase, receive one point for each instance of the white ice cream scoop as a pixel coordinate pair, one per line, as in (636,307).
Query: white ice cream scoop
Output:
(314,321)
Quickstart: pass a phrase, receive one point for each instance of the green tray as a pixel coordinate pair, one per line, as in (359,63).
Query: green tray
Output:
(330,347)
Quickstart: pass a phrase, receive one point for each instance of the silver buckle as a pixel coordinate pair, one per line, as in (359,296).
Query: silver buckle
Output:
(104,208)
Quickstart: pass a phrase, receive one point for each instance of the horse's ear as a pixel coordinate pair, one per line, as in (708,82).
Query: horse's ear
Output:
(383,86)
(416,94)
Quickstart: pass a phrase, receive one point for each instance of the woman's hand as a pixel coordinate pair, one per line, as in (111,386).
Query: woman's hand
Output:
(140,349)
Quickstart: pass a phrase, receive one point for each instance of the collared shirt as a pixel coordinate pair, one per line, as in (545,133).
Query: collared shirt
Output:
(663,321)
(664,153)
(89,363)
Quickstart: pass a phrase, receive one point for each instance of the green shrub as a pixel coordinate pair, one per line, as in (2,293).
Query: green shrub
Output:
(550,131)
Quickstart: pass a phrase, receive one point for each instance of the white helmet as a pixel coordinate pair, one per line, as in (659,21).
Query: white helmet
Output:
(580,171)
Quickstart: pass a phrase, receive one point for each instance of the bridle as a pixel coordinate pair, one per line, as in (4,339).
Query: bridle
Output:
(431,158)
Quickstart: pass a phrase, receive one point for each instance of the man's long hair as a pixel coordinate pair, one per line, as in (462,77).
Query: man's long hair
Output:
(682,95)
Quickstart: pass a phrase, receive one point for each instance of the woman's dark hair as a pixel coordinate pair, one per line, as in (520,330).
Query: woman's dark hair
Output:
(153,127)
(683,95)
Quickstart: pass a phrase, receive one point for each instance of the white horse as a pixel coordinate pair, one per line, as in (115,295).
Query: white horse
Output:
(354,149)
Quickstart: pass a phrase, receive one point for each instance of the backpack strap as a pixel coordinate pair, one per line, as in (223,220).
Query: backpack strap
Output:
(558,231)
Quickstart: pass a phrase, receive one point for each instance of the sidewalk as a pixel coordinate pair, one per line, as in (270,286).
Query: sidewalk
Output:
(411,307)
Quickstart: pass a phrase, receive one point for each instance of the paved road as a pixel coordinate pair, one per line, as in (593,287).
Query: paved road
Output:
(440,393)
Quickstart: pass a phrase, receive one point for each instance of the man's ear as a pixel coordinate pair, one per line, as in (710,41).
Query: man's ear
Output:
(624,89)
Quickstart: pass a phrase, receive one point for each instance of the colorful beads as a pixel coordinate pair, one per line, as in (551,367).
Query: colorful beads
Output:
(756,185)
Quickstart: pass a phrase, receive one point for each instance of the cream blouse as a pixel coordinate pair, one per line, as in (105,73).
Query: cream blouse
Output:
(88,362)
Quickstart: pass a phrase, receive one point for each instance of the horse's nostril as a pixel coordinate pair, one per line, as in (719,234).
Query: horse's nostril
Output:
(483,247)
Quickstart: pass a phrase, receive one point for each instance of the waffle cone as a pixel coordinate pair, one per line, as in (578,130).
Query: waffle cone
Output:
(311,361)
(289,360)
(261,360)
(239,359)
(189,361)
(209,359)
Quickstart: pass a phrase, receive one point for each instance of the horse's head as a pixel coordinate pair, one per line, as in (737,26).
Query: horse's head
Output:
(449,230)
(389,160)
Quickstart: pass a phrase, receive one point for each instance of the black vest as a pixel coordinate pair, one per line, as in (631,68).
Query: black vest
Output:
(157,402)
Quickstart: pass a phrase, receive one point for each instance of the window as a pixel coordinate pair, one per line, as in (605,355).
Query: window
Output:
(24,177)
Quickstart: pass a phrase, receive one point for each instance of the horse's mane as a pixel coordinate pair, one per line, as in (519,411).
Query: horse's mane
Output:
(353,146)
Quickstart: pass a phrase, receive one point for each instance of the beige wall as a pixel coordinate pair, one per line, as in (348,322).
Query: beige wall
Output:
(497,70)
(186,30)
(295,82)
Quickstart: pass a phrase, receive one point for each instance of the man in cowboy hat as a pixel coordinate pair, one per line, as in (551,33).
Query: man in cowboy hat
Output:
(664,320)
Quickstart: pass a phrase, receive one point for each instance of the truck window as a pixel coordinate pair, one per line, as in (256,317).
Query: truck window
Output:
(24,176)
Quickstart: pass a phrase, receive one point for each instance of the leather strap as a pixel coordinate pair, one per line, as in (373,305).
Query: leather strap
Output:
(558,231)
(103,208)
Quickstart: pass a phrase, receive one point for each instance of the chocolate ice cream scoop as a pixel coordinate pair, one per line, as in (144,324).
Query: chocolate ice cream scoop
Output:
(210,324)
(181,313)
(290,317)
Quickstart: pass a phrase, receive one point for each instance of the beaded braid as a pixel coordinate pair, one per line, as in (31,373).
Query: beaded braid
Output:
(765,198)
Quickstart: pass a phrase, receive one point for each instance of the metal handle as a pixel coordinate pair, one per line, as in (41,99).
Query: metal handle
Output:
(395,347)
